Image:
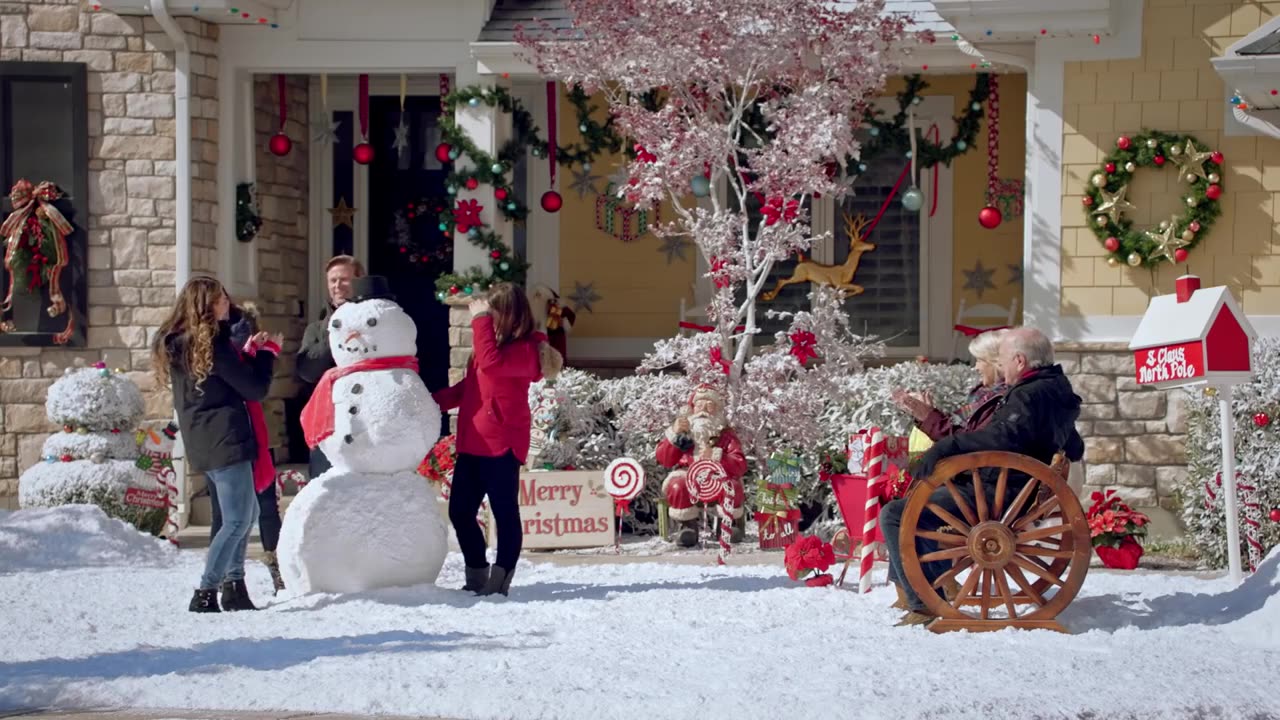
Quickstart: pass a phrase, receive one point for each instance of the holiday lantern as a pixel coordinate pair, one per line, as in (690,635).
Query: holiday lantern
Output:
(1199,336)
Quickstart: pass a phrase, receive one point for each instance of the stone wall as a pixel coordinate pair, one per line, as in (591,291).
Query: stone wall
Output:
(130,218)
(1135,438)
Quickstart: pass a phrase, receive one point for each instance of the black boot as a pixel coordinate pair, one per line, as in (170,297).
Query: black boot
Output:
(499,581)
(235,596)
(687,534)
(477,579)
(204,601)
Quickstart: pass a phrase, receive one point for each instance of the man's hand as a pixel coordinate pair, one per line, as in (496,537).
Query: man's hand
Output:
(478,306)
(681,425)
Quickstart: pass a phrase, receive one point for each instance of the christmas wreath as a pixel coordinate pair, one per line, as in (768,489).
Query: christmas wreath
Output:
(35,241)
(1106,204)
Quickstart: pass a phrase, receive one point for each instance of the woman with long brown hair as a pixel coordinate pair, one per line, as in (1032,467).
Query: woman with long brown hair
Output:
(494,421)
(211,383)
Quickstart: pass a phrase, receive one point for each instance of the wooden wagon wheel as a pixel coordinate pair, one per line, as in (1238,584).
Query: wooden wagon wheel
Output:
(998,542)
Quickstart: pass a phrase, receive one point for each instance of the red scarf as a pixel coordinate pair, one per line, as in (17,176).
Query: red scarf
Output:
(264,470)
(317,416)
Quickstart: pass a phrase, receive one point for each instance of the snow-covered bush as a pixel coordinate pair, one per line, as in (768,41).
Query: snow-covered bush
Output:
(579,432)
(1256,407)
(94,459)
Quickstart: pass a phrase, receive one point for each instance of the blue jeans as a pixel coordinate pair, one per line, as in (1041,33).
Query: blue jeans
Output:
(238,504)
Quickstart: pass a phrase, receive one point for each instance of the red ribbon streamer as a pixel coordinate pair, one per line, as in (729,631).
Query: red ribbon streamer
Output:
(364,107)
(282,91)
(553,99)
(885,205)
(686,325)
(993,138)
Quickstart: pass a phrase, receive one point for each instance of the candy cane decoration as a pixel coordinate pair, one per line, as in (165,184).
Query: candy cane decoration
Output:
(168,482)
(1252,522)
(873,469)
(726,521)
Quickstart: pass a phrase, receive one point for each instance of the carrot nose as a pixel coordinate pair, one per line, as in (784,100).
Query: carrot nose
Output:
(353,336)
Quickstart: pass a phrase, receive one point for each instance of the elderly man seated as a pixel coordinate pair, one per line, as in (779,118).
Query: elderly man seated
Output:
(1036,417)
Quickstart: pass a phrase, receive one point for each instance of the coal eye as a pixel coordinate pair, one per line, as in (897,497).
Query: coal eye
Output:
(373,321)
(336,324)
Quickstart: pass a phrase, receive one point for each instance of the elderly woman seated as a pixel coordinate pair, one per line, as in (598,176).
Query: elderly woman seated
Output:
(981,403)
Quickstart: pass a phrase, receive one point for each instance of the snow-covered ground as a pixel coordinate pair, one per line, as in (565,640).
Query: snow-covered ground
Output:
(602,641)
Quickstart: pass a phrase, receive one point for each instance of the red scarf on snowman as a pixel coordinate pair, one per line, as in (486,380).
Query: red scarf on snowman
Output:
(317,416)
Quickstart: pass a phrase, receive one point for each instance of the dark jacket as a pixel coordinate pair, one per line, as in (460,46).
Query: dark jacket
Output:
(1036,417)
(314,356)
(216,429)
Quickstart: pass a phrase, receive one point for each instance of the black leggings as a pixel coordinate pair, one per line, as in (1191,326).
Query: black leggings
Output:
(268,517)
(474,477)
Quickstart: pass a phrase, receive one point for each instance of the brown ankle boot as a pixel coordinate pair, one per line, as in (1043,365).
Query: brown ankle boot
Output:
(901,602)
(273,566)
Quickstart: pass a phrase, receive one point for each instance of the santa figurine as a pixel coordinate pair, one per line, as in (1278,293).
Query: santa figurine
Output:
(556,319)
(701,433)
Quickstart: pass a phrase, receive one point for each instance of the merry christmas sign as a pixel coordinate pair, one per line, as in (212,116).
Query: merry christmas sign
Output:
(565,509)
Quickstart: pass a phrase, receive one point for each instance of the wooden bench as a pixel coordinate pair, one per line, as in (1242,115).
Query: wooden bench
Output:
(1026,560)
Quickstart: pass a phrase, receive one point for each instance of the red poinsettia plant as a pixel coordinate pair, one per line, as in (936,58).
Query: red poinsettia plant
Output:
(437,466)
(1111,520)
(810,555)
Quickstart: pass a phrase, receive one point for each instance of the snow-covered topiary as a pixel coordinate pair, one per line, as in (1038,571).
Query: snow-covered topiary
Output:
(1256,407)
(94,459)
(577,428)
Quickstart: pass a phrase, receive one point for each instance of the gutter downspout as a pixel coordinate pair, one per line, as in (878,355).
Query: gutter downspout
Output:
(182,221)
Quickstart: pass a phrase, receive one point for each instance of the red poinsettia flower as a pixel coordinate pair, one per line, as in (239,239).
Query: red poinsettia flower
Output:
(467,214)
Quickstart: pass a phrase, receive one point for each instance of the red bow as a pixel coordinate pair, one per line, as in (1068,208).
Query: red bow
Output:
(717,358)
(803,343)
(621,507)
(775,209)
(719,277)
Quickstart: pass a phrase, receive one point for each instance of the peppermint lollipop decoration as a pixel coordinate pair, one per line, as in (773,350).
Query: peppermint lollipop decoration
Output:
(706,480)
(623,480)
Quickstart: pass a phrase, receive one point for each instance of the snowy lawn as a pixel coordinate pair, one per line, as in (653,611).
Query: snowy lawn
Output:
(621,641)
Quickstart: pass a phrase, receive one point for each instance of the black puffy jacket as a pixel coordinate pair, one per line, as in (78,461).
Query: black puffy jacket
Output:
(216,431)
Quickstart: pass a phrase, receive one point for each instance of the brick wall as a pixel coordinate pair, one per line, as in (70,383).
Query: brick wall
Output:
(1171,87)
(131,204)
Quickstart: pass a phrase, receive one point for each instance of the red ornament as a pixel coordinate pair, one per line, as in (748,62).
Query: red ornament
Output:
(1110,167)
(1158,160)
(1112,244)
(68,428)
(1180,255)
(453,290)
(1274,514)
(990,218)
(1216,158)
(363,153)
(1088,201)
(1124,143)
(1097,39)
(66,458)
(472,183)
(280,144)
(442,152)
(551,201)
(1213,192)
(500,193)
(495,254)
(1262,419)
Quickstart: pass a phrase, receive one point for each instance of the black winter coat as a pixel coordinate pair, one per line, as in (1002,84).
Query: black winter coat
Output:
(216,430)
(1036,417)
(314,356)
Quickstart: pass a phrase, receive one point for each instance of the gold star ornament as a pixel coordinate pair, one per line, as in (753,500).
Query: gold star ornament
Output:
(343,215)
(1113,204)
(1191,162)
(1166,241)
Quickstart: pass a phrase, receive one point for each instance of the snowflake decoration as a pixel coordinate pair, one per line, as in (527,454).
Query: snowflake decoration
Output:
(584,182)
(402,138)
(324,131)
(1015,274)
(978,279)
(674,246)
(467,214)
(584,295)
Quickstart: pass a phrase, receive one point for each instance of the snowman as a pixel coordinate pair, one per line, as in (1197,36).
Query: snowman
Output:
(371,521)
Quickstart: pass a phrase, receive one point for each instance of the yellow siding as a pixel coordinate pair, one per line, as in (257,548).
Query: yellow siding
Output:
(1173,88)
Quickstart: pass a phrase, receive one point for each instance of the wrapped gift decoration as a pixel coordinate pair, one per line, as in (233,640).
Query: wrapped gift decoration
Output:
(776,511)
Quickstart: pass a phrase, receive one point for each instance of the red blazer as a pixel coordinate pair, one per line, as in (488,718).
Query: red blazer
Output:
(493,399)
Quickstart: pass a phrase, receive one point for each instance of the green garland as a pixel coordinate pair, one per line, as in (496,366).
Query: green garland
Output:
(248,221)
(1140,247)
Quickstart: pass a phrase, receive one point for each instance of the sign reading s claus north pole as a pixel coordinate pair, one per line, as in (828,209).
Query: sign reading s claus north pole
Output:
(565,509)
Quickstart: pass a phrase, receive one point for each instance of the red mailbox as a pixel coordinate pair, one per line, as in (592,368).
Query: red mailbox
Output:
(1195,336)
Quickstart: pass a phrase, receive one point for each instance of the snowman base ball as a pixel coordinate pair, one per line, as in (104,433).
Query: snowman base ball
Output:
(349,532)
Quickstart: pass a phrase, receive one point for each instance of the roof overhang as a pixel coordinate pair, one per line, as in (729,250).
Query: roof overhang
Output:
(1255,80)
(272,13)
(1025,20)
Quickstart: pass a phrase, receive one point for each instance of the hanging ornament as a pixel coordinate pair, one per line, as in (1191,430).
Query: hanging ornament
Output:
(700,185)
(280,144)
(1213,192)
(500,193)
(990,217)
(1180,255)
(363,153)
(1274,514)
(1112,244)
(1261,419)
(401,142)
(551,200)
(1135,259)
(472,183)
(913,199)
(1124,143)
(442,153)
(1113,262)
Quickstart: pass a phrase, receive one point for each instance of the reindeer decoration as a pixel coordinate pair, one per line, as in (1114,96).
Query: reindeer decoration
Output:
(839,276)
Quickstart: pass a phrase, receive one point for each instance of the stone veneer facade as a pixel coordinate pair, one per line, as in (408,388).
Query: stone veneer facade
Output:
(131,208)
(1135,438)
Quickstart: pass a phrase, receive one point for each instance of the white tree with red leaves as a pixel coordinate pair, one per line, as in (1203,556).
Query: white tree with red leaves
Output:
(760,97)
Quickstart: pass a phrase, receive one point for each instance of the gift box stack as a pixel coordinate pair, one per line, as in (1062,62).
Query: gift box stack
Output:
(776,512)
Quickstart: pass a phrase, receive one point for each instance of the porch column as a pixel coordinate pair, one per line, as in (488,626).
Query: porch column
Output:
(1042,224)
(488,128)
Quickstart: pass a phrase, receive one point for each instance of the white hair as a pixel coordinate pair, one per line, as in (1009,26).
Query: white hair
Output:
(1032,344)
(987,345)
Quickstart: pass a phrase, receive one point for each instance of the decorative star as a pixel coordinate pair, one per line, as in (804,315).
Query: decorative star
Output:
(324,130)
(584,182)
(1191,162)
(342,214)
(979,279)
(584,295)
(1113,204)
(674,247)
(1015,274)
(1166,240)
(402,138)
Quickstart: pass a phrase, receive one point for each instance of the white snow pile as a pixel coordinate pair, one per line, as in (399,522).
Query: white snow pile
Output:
(74,536)
(96,398)
(611,640)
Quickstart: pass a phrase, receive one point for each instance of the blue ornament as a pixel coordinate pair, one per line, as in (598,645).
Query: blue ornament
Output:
(908,154)
(700,185)
(915,100)
(862,167)
(511,206)
(496,168)
(469,289)
(586,167)
(1235,99)
(913,200)
(473,102)
(976,106)
(443,227)
(473,232)
(875,131)
(988,33)
(439,296)
(453,154)
(582,128)
(961,145)
(50,459)
(451,190)
(503,266)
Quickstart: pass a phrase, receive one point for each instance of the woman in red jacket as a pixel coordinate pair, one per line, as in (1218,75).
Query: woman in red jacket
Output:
(507,355)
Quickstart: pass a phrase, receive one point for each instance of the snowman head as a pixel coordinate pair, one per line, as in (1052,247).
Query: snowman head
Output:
(371,329)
